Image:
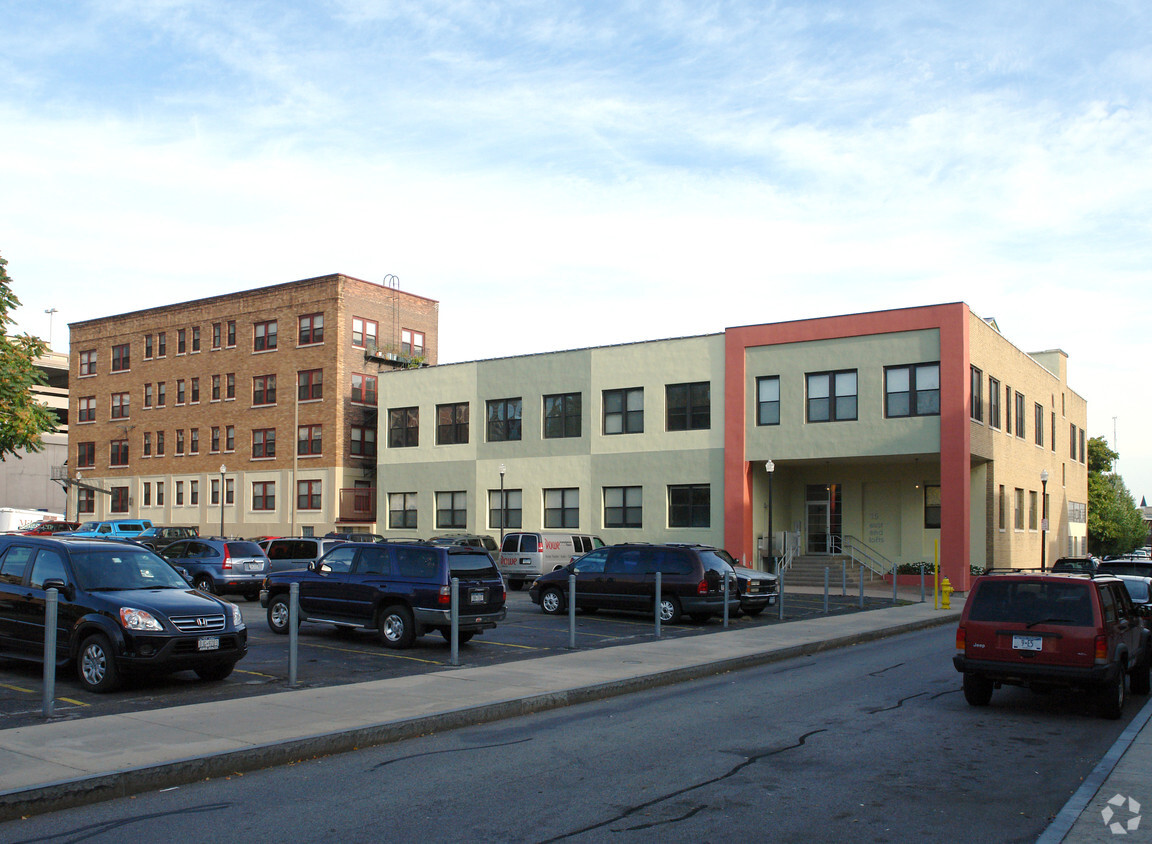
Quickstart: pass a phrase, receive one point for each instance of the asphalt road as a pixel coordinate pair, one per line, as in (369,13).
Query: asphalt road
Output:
(868,743)
(330,657)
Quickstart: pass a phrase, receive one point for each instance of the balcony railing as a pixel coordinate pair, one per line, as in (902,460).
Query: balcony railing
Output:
(358,505)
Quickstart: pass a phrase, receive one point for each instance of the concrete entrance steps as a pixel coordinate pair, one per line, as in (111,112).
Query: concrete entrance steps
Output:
(809,571)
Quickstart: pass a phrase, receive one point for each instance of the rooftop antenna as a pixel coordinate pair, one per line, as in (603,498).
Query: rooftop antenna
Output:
(392,280)
(50,311)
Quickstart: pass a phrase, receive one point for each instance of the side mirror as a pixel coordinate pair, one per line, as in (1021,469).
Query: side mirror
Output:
(59,585)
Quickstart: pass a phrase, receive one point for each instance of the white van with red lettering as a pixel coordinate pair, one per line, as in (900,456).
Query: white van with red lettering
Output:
(524,556)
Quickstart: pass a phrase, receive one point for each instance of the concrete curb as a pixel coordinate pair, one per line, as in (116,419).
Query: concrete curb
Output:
(96,788)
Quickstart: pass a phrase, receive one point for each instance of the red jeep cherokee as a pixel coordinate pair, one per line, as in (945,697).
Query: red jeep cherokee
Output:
(1042,630)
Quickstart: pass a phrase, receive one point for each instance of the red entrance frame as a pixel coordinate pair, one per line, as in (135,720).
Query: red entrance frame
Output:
(952,323)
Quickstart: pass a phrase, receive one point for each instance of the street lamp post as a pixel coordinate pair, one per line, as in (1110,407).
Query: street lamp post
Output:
(503,505)
(223,469)
(1043,518)
(771,467)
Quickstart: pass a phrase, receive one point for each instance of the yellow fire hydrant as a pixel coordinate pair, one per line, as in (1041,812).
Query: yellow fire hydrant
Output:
(946,591)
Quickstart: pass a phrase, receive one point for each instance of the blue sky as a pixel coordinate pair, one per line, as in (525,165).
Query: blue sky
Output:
(564,175)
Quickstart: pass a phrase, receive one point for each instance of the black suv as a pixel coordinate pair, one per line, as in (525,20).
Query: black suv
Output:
(1043,630)
(399,590)
(623,577)
(157,537)
(121,609)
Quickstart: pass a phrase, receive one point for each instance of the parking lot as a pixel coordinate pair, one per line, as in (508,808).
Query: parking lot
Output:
(330,657)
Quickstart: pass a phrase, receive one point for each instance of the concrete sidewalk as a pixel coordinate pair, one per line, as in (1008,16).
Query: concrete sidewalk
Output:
(66,763)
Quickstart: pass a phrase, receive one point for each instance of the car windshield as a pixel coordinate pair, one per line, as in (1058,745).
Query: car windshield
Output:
(717,560)
(1033,602)
(244,549)
(124,567)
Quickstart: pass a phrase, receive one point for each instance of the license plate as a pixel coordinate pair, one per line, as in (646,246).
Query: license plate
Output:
(476,597)
(209,643)
(772,600)
(253,566)
(1027,643)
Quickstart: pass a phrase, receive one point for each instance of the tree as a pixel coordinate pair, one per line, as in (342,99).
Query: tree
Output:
(23,419)
(1115,526)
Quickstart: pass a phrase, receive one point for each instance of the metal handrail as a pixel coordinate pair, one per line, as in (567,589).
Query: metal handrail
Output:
(866,556)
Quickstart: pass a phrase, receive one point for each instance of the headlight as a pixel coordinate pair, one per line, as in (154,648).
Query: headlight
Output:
(132,619)
(237,617)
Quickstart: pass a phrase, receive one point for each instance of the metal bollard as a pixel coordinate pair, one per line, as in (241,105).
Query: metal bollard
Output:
(657,605)
(293,631)
(779,593)
(921,583)
(843,578)
(861,587)
(572,612)
(51,609)
(894,575)
(825,590)
(454,615)
(725,600)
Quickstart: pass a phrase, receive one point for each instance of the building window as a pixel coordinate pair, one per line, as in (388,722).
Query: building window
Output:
(147,494)
(1072,441)
(1039,424)
(119,499)
(363,389)
(161,344)
(179,440)
(311,329)
(147,347)
(230,438)
(85,455)
(993,403)
(690,505)
(912,390)
(195,391)
(364,333)
(264,336)
(215,388)
(215,439)
(180,393)
(403,427)
(264,442)
(230,491)
(308,440)
(451,510)
(147,443)
(689,406)
(412,342)
(363,441)
(214,492)
(179,493)
(87,409)
(194,441)
(119,453)
(1002,518)
(624,411)
(506,513)
(230,385)
(402,510)
(452,423)
(264,390)
(1033,498)
(196,340)
(623,506)
(976,408)
(121,357)
(147,395)
(159,493)
(193,492)
(504,417)
(85,500)
(159,444)
(1019,520)
(264,495)
(88,362)
(832,396)
(217,334)
(1020,423)
(310,385)
(181,344)
(308,495)
(932,506)
(231,332)
(768,400)
(562,415)
(1083,452)
(562,508)
(1053,429)
(161,394)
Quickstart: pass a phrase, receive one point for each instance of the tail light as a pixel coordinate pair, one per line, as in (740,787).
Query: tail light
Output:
(960,640)
(227,557)
(445,596)
(702,587)
(1101,648)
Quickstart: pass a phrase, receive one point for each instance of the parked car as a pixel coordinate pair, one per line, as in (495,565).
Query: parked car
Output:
(1043,630)
(757,590)
(623,577)
(121,609)
(48,528)
(220,566)
(1141,568)
(158,537)
(470,540)
(354,536)
(1076,565)
(112,528)
(525,555)
(401,591)
(1140,591)
(286,553)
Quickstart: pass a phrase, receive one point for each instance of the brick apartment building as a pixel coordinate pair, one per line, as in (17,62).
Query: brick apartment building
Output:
(265,398)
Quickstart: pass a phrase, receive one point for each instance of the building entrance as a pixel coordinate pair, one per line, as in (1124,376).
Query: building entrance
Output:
(823,519)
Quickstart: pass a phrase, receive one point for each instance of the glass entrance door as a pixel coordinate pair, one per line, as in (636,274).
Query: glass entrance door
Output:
(823,519)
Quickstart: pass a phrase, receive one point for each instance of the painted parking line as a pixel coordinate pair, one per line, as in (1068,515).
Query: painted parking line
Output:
(257,674)
(15,688)
(387,654)
(37,691)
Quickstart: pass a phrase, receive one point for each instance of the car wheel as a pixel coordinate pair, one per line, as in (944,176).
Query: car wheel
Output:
(96,665)
(1111,698)
(204,583)
(669,609)
(977,690)
(515,585)
(252,596)
(397,627)
(213,673)
(752,613)
(552,601)
(1141,681)
(462,635)
(700,617)
(279,611)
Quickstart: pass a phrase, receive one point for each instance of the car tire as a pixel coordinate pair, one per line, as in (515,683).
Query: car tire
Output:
(515,585)
(215,673)
(279,613)
(1111,697)
(552,601)
(252,596)
(700,617)
(669,609)
(462,636)
(752,613)
(204,583)
(397,627)
(977,690)
(96,665)
(1141,679)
